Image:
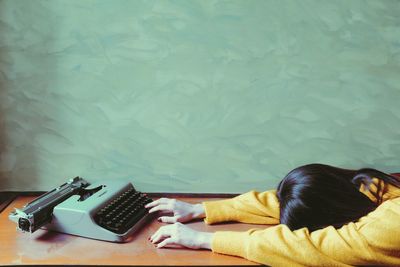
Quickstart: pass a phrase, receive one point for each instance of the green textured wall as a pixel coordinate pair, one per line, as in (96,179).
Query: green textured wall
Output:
(195,96)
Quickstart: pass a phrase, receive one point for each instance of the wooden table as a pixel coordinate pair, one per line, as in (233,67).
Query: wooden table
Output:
(44,247)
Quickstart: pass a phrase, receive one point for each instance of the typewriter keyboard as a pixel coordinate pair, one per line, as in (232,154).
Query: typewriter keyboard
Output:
(123,212)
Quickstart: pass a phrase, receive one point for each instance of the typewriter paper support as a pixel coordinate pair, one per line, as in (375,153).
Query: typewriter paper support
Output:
(74,208)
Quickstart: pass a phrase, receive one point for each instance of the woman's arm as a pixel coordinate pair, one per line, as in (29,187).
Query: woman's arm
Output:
(251,207)
(379,191)
(373,240)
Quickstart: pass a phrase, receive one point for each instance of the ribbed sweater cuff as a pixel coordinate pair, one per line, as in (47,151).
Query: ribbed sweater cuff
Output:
(230,243)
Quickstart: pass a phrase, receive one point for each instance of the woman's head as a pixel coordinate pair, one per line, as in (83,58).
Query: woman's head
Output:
(318,195)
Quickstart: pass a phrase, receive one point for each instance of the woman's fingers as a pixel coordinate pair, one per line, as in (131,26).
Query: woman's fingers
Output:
(159,201)
(168,219)
(162,204)
(160,238)
(179,211)
(179,235)
(168,242)
(166,236)
(161,207)
(159,235)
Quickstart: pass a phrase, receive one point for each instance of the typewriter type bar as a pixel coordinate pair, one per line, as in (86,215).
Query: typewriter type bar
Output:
(39,212)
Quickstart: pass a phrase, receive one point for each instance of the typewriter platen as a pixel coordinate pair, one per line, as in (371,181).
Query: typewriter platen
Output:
(111,210)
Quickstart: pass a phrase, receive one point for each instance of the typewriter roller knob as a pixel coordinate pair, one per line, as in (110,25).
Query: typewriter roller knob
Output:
(24,224)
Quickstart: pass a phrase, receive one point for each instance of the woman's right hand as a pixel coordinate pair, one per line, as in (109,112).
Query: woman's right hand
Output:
(181,211)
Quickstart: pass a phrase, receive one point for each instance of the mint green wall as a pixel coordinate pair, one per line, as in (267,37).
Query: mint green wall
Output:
(195,96)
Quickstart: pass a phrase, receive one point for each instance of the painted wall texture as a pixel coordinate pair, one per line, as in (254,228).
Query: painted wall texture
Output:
(195,96)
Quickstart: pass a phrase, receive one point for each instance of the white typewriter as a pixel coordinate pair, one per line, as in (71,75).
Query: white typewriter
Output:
(111,210)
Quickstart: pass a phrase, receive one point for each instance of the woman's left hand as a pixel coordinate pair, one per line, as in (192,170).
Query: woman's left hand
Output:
(179,235)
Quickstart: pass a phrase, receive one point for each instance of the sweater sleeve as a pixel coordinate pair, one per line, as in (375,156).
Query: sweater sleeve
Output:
(379,191)
(252,207)
(374,239)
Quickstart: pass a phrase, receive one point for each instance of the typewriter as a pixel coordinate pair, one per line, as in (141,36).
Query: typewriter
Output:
(111,210)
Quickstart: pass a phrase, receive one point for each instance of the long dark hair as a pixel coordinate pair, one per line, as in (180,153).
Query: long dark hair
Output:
(318,195)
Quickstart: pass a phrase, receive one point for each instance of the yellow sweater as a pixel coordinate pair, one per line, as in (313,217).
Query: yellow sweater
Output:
(373,240)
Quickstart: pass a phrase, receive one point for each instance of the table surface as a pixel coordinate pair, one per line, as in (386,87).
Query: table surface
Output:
(45,247)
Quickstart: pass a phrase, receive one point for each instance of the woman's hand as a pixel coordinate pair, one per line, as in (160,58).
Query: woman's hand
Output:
(179,235)
(182,211)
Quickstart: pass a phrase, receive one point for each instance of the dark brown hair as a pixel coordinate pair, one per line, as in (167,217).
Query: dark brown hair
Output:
(318,195)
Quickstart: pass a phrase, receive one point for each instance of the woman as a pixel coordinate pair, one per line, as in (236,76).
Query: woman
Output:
(324,216)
